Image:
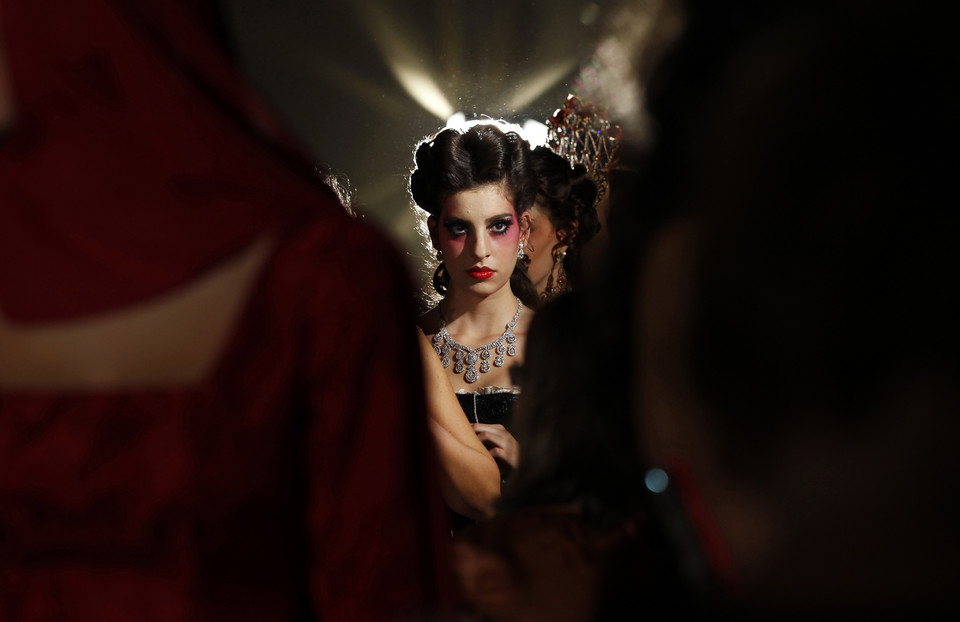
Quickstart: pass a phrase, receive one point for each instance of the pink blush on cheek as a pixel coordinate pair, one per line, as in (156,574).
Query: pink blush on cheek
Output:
(448,241)
(510,238)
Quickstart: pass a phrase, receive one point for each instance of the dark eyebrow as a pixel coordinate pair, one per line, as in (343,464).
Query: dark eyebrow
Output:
(494,219)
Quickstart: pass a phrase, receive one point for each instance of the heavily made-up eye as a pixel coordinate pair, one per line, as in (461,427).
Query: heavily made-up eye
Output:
(501,226)
(456,228)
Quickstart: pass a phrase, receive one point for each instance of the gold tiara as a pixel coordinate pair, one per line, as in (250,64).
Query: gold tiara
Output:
(583,134)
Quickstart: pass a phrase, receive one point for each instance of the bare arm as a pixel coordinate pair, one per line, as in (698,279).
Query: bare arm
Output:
(501,444)
(470,478)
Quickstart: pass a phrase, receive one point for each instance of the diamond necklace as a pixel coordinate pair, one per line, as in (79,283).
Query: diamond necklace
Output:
(467,358)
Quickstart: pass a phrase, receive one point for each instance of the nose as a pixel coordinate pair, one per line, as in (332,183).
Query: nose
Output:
(481,246)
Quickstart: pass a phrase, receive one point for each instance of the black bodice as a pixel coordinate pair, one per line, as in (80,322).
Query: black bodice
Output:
(489,405)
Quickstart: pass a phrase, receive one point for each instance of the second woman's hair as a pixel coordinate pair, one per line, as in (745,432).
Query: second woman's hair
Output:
(568,195)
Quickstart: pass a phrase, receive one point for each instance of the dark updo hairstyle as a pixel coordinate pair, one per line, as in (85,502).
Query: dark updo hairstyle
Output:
(463,159)
(568,195)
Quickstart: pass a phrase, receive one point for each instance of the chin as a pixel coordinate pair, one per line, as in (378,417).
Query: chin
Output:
(485,288)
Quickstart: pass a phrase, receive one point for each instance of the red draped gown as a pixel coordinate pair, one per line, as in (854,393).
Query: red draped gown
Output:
(295,480)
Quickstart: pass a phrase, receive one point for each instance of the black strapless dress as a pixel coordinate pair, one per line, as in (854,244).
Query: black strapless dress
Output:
(490,405)
(486,405)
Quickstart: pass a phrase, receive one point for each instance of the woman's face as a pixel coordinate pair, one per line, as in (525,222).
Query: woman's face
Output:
(479,233)
(539,248)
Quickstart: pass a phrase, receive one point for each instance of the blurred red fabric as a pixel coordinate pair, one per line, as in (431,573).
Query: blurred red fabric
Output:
(294,481)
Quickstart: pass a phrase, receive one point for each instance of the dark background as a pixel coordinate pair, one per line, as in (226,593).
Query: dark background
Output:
(357,79)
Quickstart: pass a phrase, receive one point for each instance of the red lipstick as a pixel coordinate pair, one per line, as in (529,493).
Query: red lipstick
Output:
(481,273)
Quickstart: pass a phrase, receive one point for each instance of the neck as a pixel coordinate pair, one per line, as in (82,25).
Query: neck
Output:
(479,315)
(541,285)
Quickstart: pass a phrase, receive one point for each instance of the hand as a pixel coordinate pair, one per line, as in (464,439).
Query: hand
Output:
(502,446)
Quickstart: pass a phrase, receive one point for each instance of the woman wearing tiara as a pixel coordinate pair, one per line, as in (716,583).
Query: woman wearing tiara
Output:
(476,186)
(567,221)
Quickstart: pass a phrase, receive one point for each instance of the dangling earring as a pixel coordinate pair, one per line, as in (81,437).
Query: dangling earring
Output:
(441,279)
(560,285)
(520,254)
(561,271)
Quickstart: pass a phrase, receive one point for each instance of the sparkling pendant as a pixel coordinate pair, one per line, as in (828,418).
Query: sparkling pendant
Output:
(485,366)
(498,361)
(445,360)
(511,350)
(459,367)
(471,374)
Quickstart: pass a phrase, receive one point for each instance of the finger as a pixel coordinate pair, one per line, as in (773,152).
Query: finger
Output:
(498,427)
(493,437)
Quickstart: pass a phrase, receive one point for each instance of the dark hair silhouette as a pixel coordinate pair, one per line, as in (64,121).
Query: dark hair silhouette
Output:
(824,280)
(829,266)
(463,159)
(577,446)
